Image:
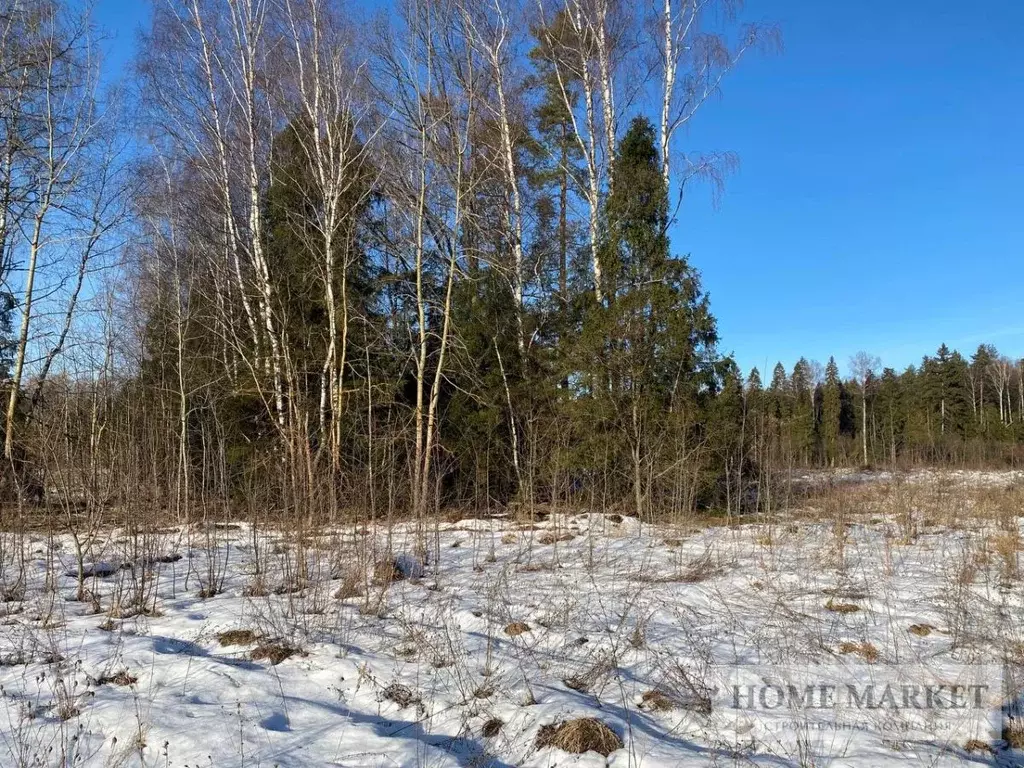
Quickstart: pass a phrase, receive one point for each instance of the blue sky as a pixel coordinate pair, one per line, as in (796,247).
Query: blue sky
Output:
(879,202)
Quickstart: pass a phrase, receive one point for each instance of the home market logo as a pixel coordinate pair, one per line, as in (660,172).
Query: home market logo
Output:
(945,704)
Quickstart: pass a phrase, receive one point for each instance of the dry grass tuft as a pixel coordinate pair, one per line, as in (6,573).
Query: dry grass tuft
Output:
(351,586)
(1013,733)
(238,637)
(842,608)
(921,630)
(551,537)
(516,628)
(586,734)
(122,678)
(975,745)
(402,695)
(492,728)
(657,701)
(703,568)
(387,571)
(865,650)
(275,653)
(845,593)
(588,678)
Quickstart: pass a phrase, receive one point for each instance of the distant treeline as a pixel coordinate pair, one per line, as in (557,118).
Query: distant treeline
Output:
(948,409)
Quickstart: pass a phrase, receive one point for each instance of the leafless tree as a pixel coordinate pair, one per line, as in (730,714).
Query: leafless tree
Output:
(863,367)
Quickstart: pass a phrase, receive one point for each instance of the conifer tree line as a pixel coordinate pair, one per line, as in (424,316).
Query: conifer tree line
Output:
(948,410)
(325,266)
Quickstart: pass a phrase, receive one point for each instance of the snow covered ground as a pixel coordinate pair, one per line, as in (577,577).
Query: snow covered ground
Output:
(456,645)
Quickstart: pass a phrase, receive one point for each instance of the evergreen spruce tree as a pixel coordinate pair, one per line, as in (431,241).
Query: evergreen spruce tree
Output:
(831,411)
(802,424)
(650,351)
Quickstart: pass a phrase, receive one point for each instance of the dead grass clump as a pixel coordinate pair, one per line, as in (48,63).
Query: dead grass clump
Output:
(492,728)
(387,571)
(122,678)
(657,701)
(842,608)
(585,734)
(551,537)
(976,745)
(402,695)
(703,568)
(845,593)
(237,637)
(1013,733)
(536,567)
(921,630)
(588,678)
(275,653)
(516,628)
(673,543)
(1006,545)
(865,650)
(351,586)
(509,538)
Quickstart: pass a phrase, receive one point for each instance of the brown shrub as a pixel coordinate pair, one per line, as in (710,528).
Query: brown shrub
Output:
(585,734)
(921,630)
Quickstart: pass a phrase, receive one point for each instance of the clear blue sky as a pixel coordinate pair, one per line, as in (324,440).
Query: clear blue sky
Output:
(879,202)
